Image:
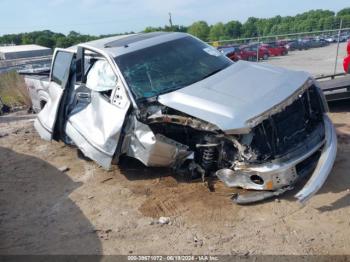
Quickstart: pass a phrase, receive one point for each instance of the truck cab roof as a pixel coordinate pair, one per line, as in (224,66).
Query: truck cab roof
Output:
(119,45)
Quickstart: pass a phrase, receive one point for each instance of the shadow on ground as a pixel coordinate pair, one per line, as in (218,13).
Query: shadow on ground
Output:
(133,169)
(36,214)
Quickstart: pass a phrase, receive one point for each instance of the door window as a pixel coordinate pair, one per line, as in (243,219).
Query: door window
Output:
(61,66)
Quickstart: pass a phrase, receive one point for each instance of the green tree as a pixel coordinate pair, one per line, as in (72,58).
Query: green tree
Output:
(73,34)
(217,32)
(345,11)
(26,39)
(249,28)
(346,20)
(64,42)
(150,29)
(233,29)
(45,41)
(199,29)
(328,23)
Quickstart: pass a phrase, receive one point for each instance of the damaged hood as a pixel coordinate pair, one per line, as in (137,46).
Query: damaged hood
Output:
(236,94)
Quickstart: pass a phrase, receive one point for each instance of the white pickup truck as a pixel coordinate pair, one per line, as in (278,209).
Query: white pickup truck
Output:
(169,99)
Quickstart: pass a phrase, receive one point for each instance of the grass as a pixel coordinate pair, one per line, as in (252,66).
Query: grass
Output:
(13,90)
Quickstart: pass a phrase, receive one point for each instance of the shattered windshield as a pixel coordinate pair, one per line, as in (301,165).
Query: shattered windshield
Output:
(169,66)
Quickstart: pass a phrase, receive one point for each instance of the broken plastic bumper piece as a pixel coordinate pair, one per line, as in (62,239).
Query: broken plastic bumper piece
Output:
(275,178)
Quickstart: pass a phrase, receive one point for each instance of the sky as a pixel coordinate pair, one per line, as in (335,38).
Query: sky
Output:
(98,17)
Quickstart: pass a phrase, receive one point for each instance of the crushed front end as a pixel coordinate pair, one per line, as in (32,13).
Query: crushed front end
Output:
(277,149)
(289,143)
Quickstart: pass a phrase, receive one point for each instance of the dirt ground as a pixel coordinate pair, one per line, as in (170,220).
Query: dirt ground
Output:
(87,210)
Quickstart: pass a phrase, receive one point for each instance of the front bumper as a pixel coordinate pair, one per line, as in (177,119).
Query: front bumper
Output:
(324,165)
(274,178)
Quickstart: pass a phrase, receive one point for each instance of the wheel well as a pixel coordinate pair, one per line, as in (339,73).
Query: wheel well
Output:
(42,104)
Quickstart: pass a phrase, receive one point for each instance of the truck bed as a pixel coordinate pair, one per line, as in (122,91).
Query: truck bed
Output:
(37,85)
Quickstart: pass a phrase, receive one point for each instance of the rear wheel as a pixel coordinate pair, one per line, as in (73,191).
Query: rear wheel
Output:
(266,56)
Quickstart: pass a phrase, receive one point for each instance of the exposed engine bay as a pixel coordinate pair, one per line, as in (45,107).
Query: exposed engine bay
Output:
(206,150)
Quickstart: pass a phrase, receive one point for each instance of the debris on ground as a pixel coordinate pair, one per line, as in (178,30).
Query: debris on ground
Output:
(107,179)
(197,242)
(63,169)
(103,234)
(164,220)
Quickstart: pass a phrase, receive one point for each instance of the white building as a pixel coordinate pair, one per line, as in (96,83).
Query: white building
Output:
(23,51)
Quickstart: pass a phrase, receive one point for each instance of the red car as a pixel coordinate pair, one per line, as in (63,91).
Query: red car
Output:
(276,49)
(346,62)
(231,52)
(250,53)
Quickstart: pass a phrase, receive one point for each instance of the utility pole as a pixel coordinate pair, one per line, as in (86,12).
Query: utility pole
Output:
(170,21)
(336,57)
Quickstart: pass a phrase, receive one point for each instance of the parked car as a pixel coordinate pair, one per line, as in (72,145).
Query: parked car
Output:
(297,45)
(231,52)
(275,49)
(331,39)
(282,42)
(314,43)
(171,100)
(346,62)
(249,52)
(337,87)
(344,37)
(322,42)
